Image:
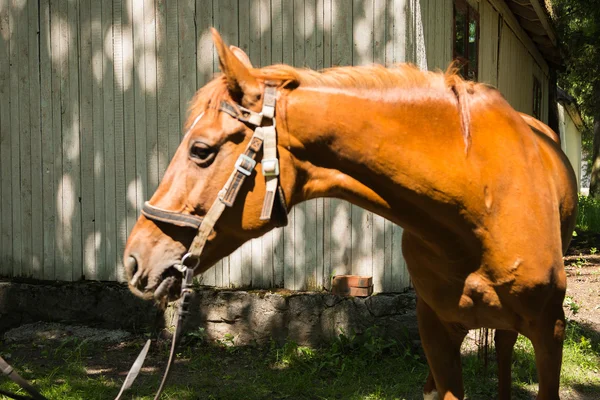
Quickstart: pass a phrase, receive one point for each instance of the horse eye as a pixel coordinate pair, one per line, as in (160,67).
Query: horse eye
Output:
(202,154)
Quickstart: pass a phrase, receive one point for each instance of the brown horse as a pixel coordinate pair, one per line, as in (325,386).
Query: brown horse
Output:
(487,204)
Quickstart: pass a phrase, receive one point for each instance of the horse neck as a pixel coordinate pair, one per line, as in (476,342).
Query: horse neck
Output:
(400,155)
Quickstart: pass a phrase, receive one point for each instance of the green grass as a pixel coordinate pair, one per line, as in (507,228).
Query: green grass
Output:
(588,218)
(353,367)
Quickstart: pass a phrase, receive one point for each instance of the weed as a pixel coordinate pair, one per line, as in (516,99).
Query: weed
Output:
(573,306)
(588,217)
(197,336)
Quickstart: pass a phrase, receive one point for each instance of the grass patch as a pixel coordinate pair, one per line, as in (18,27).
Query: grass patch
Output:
(588,218)
(352,367)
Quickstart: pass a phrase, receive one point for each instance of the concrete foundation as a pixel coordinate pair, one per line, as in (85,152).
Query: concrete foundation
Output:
(250,317)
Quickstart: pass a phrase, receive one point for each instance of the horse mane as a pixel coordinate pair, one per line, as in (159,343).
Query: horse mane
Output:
(403,76)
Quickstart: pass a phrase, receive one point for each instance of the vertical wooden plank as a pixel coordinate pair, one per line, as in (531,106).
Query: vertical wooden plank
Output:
(73,144)
(67,206)
(440,35)
(278,237)
(129,113)
(379,56)
(380,53)
(320,210)
(254,52)
(97,146)
(120,184)
(56,154)
(341,211)
(139,90)
(427,8)
(300,234)
(386,277)
(162,68)
(173,76)
(6,31)
(15,140)
(362,28)
(287,50)
(222,17)
(205,46)
(187,54)
(420,44)
(400,278)
(25,141)
(311,227)
(379,22)
(265,59)
(411,30)
(362,226)
(232,22)
(400,31)
(37,239)
(150,64)
(108,270)
(87,142)
(254,34)
(327,245)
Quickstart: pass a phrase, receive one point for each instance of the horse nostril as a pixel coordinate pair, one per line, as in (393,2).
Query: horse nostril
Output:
(131,266)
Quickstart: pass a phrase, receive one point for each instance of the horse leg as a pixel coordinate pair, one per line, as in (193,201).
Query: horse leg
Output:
(505,341)
(547,335)
(441,343)
(430,391)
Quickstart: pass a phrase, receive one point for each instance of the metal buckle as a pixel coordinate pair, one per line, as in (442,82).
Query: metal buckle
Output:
(270,167)
(244,158)
(251,117)
(181,267)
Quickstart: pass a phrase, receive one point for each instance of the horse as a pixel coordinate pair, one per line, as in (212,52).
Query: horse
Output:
(487,202)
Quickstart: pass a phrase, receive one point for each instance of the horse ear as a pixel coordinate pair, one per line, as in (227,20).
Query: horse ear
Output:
(242,85)
(242,56)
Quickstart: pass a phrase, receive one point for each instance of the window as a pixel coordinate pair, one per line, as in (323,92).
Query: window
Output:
(537,98)
(466,38)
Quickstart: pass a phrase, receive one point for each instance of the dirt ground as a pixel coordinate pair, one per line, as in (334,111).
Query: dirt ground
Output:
(582,265)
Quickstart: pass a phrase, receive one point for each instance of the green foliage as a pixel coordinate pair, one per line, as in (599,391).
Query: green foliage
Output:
(571,304)
(578,26)
(588,218)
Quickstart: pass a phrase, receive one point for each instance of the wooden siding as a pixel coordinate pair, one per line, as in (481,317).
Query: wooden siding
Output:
(507,63)
(91,113)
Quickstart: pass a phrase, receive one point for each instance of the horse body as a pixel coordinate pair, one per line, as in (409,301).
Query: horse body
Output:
(487,204)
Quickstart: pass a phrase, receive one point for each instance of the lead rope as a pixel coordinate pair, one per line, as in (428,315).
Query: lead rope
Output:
(263,136)
(12,374)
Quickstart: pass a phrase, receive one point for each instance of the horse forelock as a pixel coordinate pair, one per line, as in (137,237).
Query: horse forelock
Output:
(207,100)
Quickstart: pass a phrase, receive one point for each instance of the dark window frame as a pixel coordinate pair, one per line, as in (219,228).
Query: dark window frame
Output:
(537,98)
(471,15)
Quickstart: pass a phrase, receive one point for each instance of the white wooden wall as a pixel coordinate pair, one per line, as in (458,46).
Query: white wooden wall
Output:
(507,62)
(93,95)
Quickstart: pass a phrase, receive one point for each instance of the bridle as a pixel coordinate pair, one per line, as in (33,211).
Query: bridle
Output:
(265,138)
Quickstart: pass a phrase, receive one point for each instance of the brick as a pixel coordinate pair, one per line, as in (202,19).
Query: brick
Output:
(353,281)
(353,291)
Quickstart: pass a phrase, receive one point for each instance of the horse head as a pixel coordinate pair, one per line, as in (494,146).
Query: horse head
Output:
(214,167)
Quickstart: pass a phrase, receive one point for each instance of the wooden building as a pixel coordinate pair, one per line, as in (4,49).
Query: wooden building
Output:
(93,95)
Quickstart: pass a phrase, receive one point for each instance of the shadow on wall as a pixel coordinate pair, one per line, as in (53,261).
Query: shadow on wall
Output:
(92,99)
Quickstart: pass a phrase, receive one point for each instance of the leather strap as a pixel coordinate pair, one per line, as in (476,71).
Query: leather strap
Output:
(12,374)
(135,370)
(171,217)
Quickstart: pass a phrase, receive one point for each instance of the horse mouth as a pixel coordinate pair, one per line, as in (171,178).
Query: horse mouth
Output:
(168,285)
